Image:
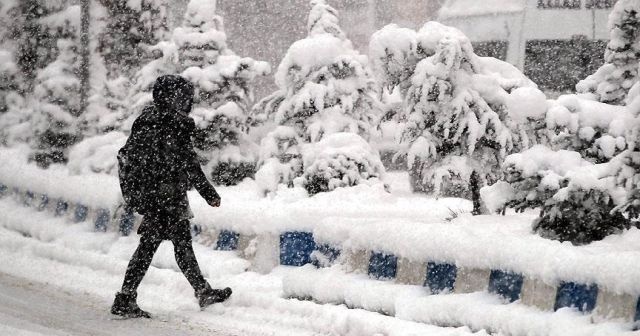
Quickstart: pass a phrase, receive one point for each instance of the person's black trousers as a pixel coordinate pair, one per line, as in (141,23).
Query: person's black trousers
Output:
(149,243)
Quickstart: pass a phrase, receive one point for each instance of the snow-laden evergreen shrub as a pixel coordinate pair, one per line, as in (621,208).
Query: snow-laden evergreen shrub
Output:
(595,130)
(339,160)
(586,182)
(577,198)
(612,82)
(458,107)
(280,159)
(131,26)
(54,121)
(324,87)
(14,126)
(9,85)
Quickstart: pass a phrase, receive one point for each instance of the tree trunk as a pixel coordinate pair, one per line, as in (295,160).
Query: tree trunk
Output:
(84,56)
(474,183)
(27,56)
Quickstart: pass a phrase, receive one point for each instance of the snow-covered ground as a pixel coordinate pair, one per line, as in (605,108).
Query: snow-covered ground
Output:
(58,278)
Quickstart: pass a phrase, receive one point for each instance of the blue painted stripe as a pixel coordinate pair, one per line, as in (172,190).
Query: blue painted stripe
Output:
(506,284)
(383,266)
(127,220)
(102,220)
(440,277)
(328,253)
(227,241)
(4,190)
(80,214)
(29,196)
(637,317)
(196,230)
(61,208)
(582,297)
(296,248)
(44,202)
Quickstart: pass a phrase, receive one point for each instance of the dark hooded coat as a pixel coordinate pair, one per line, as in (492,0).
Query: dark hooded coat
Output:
(166,128)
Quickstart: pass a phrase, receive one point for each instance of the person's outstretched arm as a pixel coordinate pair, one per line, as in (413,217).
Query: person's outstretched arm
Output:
(197,178)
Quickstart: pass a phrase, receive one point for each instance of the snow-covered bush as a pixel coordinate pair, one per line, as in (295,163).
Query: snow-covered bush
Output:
(460,109)
(612,82)
(532,177)
(280,159)
(97,154)
(339,160)
(577,198)
(325,87)
(223,93)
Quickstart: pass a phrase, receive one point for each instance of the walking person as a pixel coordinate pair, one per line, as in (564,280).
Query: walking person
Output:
(157,166)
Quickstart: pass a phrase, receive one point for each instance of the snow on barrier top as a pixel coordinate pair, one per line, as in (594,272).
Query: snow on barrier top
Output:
(495,242)
(95,190)
(369,218)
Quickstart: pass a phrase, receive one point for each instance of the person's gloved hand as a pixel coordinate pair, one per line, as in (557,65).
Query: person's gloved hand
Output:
(216,202)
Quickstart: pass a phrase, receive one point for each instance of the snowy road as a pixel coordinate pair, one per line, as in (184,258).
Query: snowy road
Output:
(32,308)
(59,278)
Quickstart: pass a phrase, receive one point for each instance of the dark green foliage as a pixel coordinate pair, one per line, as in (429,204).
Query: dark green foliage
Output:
(232,173)
(583,217)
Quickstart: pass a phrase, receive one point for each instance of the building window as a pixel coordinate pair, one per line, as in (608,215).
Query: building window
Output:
(558,65)
(559,4)
(496,49)
(600,4)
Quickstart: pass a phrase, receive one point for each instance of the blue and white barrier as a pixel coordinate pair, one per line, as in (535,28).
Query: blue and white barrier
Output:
(267,250)
(124,221)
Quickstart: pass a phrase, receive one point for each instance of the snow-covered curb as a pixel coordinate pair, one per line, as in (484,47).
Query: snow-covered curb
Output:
(399,236)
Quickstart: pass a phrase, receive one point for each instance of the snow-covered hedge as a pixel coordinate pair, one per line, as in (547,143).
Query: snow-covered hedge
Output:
(340,160)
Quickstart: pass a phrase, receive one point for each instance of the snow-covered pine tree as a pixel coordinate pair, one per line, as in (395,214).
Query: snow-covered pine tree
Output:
(125,43)
(222,80)
(457,106)
(224,94)
(13,117)
(611,83)
(131,27)
(8,80)
(325,88)
(55,117)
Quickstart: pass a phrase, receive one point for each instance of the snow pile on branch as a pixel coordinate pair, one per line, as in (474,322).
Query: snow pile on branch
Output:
(97,154)
(531,177)
(325,87)
(612,82)
(463,113)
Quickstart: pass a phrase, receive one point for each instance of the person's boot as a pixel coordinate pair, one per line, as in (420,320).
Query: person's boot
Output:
(208,296)
(125,305)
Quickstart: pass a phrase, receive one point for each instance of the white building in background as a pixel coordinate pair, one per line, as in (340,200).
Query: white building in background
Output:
(537,36)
